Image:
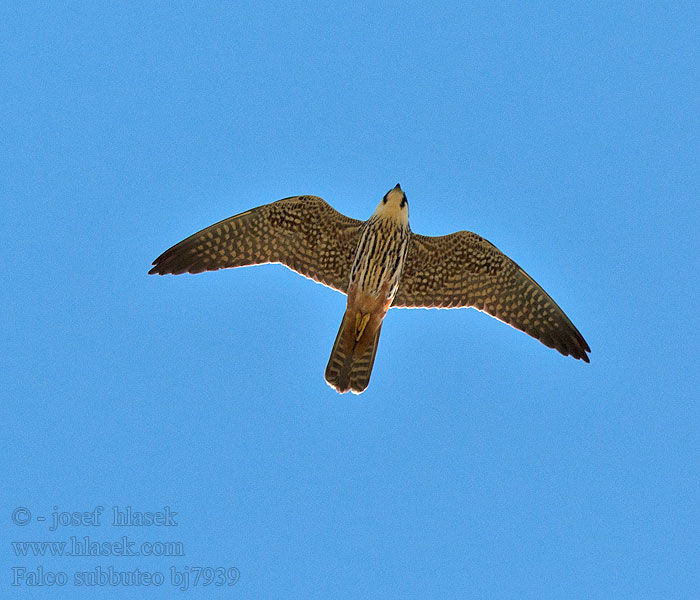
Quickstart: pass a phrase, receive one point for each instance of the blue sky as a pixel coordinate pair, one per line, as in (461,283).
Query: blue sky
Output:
(479,463)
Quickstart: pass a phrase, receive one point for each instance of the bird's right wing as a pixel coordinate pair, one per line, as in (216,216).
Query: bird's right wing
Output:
(303,233)
(463,269)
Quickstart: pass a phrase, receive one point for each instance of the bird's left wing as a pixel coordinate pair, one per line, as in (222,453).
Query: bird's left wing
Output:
(303,233)
(463,269)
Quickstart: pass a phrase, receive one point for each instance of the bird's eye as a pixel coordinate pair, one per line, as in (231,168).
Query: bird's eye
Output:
(403,201)
(384,199)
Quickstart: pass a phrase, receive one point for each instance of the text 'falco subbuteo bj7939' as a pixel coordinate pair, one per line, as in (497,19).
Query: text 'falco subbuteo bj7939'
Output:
(379,264)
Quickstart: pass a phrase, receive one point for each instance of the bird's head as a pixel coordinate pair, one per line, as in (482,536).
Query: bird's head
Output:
(394,206)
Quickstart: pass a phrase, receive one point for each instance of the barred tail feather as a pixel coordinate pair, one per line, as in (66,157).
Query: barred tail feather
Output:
(350,364)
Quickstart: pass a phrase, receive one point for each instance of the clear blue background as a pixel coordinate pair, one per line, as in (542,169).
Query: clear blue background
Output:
(479,464)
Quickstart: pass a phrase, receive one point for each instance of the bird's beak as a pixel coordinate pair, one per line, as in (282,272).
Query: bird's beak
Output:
(398,187)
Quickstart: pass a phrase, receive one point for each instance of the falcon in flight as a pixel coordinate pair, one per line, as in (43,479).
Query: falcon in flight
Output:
(379,263)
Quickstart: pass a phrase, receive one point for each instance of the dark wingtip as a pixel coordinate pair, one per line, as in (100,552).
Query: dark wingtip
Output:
(166,263)
(585,348)
(581,350)
(157,268)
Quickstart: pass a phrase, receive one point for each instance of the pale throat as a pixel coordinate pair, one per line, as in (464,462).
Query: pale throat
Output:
(392,209)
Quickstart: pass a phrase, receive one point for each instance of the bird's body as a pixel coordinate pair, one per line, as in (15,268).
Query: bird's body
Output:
(373,282)
(378,263)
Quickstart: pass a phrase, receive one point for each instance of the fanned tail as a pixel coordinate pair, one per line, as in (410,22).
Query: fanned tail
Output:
(350,364)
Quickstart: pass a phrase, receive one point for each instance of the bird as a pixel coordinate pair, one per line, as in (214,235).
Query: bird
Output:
(378,264)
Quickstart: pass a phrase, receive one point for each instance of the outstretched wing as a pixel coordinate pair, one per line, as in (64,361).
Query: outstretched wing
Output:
(463,269)
(303,233)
